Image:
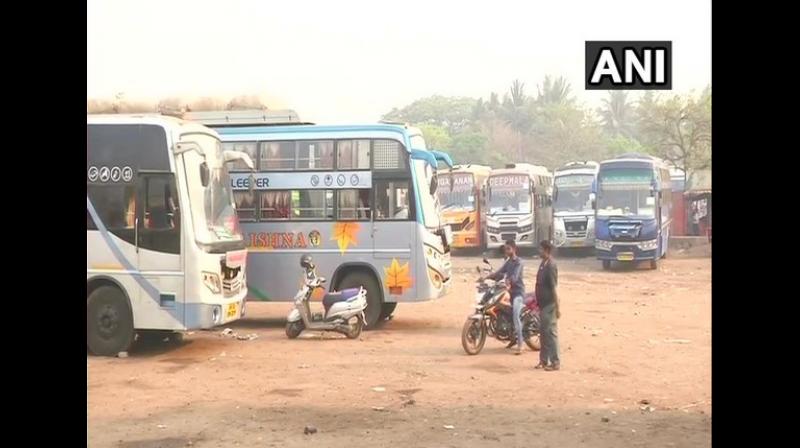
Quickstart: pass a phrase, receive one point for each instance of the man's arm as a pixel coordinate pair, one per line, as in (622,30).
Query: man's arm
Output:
(553,284)
(500,272)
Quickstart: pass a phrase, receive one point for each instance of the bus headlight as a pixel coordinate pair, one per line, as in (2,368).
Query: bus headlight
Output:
(648,245)
(560,237)
(211,280)
(602,245)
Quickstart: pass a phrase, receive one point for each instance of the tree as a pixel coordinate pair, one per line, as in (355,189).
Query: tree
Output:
(436,136)
(618,114)
(516,113)
(554,91)
(453,113)
(678,129)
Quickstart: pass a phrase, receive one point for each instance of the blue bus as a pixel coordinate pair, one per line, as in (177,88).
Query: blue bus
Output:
(360,198)
(633,210)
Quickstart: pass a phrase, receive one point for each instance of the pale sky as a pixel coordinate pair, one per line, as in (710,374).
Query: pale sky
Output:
(352,61)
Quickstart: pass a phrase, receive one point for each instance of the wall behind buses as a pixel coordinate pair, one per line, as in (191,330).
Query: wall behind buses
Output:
(352,197)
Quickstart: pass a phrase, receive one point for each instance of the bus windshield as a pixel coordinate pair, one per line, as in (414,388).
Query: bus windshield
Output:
(574,193)
(509,194)
(213,209)
(461,196)
(423,173)
(626,192)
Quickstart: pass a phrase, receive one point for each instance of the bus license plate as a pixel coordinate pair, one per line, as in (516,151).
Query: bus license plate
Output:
(231,310)
(625,256)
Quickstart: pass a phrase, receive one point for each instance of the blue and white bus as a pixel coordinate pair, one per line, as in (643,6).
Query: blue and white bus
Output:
(361,199)
(633,209)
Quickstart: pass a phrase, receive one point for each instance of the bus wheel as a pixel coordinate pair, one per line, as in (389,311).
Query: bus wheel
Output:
(387,310)
(109,323)
(606,265)
(374,297)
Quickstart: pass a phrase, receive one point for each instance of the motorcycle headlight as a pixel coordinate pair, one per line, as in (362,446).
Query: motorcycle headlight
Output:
(648,245)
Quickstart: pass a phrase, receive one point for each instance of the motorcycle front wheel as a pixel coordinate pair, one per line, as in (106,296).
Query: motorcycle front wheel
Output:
(293,329)
(473,336)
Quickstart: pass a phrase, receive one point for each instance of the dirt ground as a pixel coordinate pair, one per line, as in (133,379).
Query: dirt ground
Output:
(625,335)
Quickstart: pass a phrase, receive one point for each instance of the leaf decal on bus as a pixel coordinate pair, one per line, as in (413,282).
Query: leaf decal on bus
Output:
(397,277)
(345,233)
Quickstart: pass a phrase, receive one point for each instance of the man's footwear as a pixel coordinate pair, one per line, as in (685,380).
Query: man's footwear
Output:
(540,366)
(511,344)
(518,351)
(553,367)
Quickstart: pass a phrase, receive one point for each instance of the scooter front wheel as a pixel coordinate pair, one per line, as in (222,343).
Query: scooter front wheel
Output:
(293,329)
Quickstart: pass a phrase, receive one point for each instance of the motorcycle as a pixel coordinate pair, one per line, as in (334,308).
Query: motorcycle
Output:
(494,316)
(343,310)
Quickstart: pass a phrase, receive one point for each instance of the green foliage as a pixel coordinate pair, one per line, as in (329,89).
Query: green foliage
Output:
(553,128)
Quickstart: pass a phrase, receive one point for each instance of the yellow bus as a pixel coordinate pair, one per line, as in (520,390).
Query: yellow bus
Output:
(460,199)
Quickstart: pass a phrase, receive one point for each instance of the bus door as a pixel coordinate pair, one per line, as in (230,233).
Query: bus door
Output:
(158,234)
(393,225)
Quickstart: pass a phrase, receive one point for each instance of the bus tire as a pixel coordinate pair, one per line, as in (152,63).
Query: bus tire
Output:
(387,309)
(355,279)
(606,265)
(109,322)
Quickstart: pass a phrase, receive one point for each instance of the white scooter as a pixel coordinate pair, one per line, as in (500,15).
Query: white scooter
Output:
(344,310)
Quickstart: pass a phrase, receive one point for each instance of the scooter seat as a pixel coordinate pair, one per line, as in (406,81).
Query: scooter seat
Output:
(340,296)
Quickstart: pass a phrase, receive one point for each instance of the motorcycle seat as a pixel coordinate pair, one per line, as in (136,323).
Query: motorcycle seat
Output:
(344,295)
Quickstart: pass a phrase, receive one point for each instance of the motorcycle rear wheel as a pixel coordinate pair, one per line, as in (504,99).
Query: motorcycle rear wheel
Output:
(473,336)
(531,326)
(355,329)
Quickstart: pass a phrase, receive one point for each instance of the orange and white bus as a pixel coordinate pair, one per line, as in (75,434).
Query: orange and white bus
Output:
(460,199)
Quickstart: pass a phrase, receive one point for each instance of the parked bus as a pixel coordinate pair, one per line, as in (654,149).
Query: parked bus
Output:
(634,210)
(460,199)
(519,205)
(163,246)
(360,198)
(572,205)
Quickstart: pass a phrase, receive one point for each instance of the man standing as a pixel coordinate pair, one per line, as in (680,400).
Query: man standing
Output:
(549,309)
(512,270)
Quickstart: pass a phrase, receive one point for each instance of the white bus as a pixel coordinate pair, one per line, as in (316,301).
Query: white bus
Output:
(163,247)
(572,204)
(361,199)
(519,205)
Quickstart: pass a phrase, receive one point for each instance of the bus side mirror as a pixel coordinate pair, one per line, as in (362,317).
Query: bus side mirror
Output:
(434,184)
(205,174)
(593,199)
(555,193)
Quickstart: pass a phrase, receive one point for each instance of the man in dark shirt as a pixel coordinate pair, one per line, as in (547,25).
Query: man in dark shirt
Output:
(512,270)
(549,309)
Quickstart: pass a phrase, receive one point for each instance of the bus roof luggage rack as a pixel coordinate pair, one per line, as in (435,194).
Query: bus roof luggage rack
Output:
(235,118)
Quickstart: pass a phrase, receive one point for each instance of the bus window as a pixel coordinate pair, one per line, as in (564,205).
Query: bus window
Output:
(278,155)
(389,155)
(275,205)
(353,154)
(160,205)
(115,206)
(245,205)
(312,204)
(392,201)
(251,148)
(314,155)
(354,205)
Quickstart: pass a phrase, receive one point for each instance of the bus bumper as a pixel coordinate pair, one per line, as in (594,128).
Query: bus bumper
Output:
(210,315)
(625,252)
(466,240)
